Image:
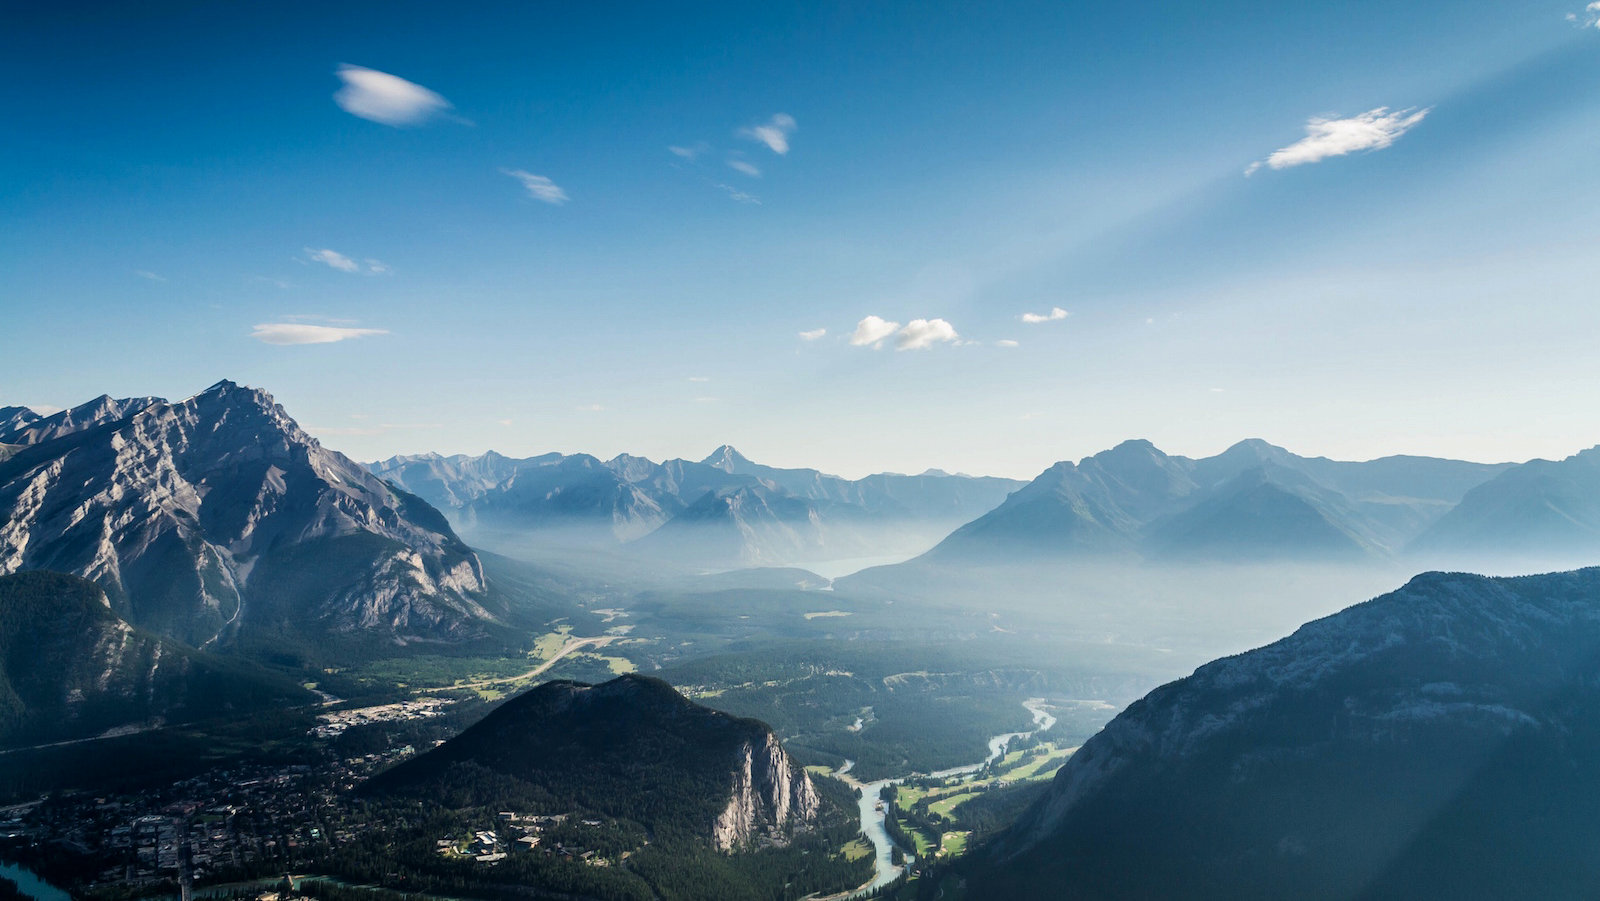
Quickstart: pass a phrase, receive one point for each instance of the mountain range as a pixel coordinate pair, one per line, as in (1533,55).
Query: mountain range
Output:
(721,511)
(1441,741)
(218,519)
(1252,502)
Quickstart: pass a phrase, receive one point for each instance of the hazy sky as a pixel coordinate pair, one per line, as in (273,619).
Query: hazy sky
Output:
(982,237)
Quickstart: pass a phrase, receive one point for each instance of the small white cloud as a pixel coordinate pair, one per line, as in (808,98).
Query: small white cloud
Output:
(920,334)
(1218,390)
(589,408)
(813,334)
(740,196)
(1590,18)
(148,275)
(689,152)
(539,187)
(302,333)
(386,99)
(871,331)
(504,421)
(749,169)
(1056,314)
(698,378)
(339,261)
(1007,342)
(774,133)
(708,400)
(1372,130)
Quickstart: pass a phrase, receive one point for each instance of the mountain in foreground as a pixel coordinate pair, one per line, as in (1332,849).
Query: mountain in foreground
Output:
(632,748)
(1441,741)
(70,668)
(218,518)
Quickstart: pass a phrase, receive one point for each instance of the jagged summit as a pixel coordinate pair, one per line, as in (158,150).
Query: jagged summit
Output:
(219,514)
(727,459)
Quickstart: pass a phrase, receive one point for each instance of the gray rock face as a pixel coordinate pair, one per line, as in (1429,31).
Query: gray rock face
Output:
(771,796)
(192,515)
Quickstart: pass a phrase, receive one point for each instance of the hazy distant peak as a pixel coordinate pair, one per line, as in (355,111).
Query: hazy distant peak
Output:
(727,459)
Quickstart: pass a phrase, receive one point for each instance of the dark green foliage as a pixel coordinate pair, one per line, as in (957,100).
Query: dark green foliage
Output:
(633,749)
(930,707)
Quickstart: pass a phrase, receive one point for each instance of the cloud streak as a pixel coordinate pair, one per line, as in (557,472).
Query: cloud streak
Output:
(539,187)
(774,133)
(813,334)
(1372,130)
(336,260)
(1056,314)
(1589,18)
(749,169)
(386,99)
(287,333)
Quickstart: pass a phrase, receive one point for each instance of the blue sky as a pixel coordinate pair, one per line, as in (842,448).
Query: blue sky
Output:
(605,227)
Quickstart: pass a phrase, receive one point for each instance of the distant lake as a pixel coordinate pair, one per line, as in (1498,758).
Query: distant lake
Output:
(31,884)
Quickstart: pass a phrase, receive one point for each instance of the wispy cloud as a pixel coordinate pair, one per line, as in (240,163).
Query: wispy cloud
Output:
(1007,342)
(741,196)
(148,275)
(302,333)
(747,168)
(699,378)
(1055,315)
(339,261)
(813,334)
(539,187)
(1589,18)
(918,334)
(386,99)
(689,152)
(774,133)
(1372,130)
(590,408)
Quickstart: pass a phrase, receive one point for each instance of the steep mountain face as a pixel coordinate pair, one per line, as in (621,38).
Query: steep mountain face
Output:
(1440,741)
(1541,509)
(1253,502)
(70,668)
(630,748)
(219,517)
(744,512)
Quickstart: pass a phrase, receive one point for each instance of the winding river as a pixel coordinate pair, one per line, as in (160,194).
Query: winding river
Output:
(872,816)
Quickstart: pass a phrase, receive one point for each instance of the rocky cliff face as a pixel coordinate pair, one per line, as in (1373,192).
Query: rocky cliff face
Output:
(1439,741)
(771,795)
(209,516)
